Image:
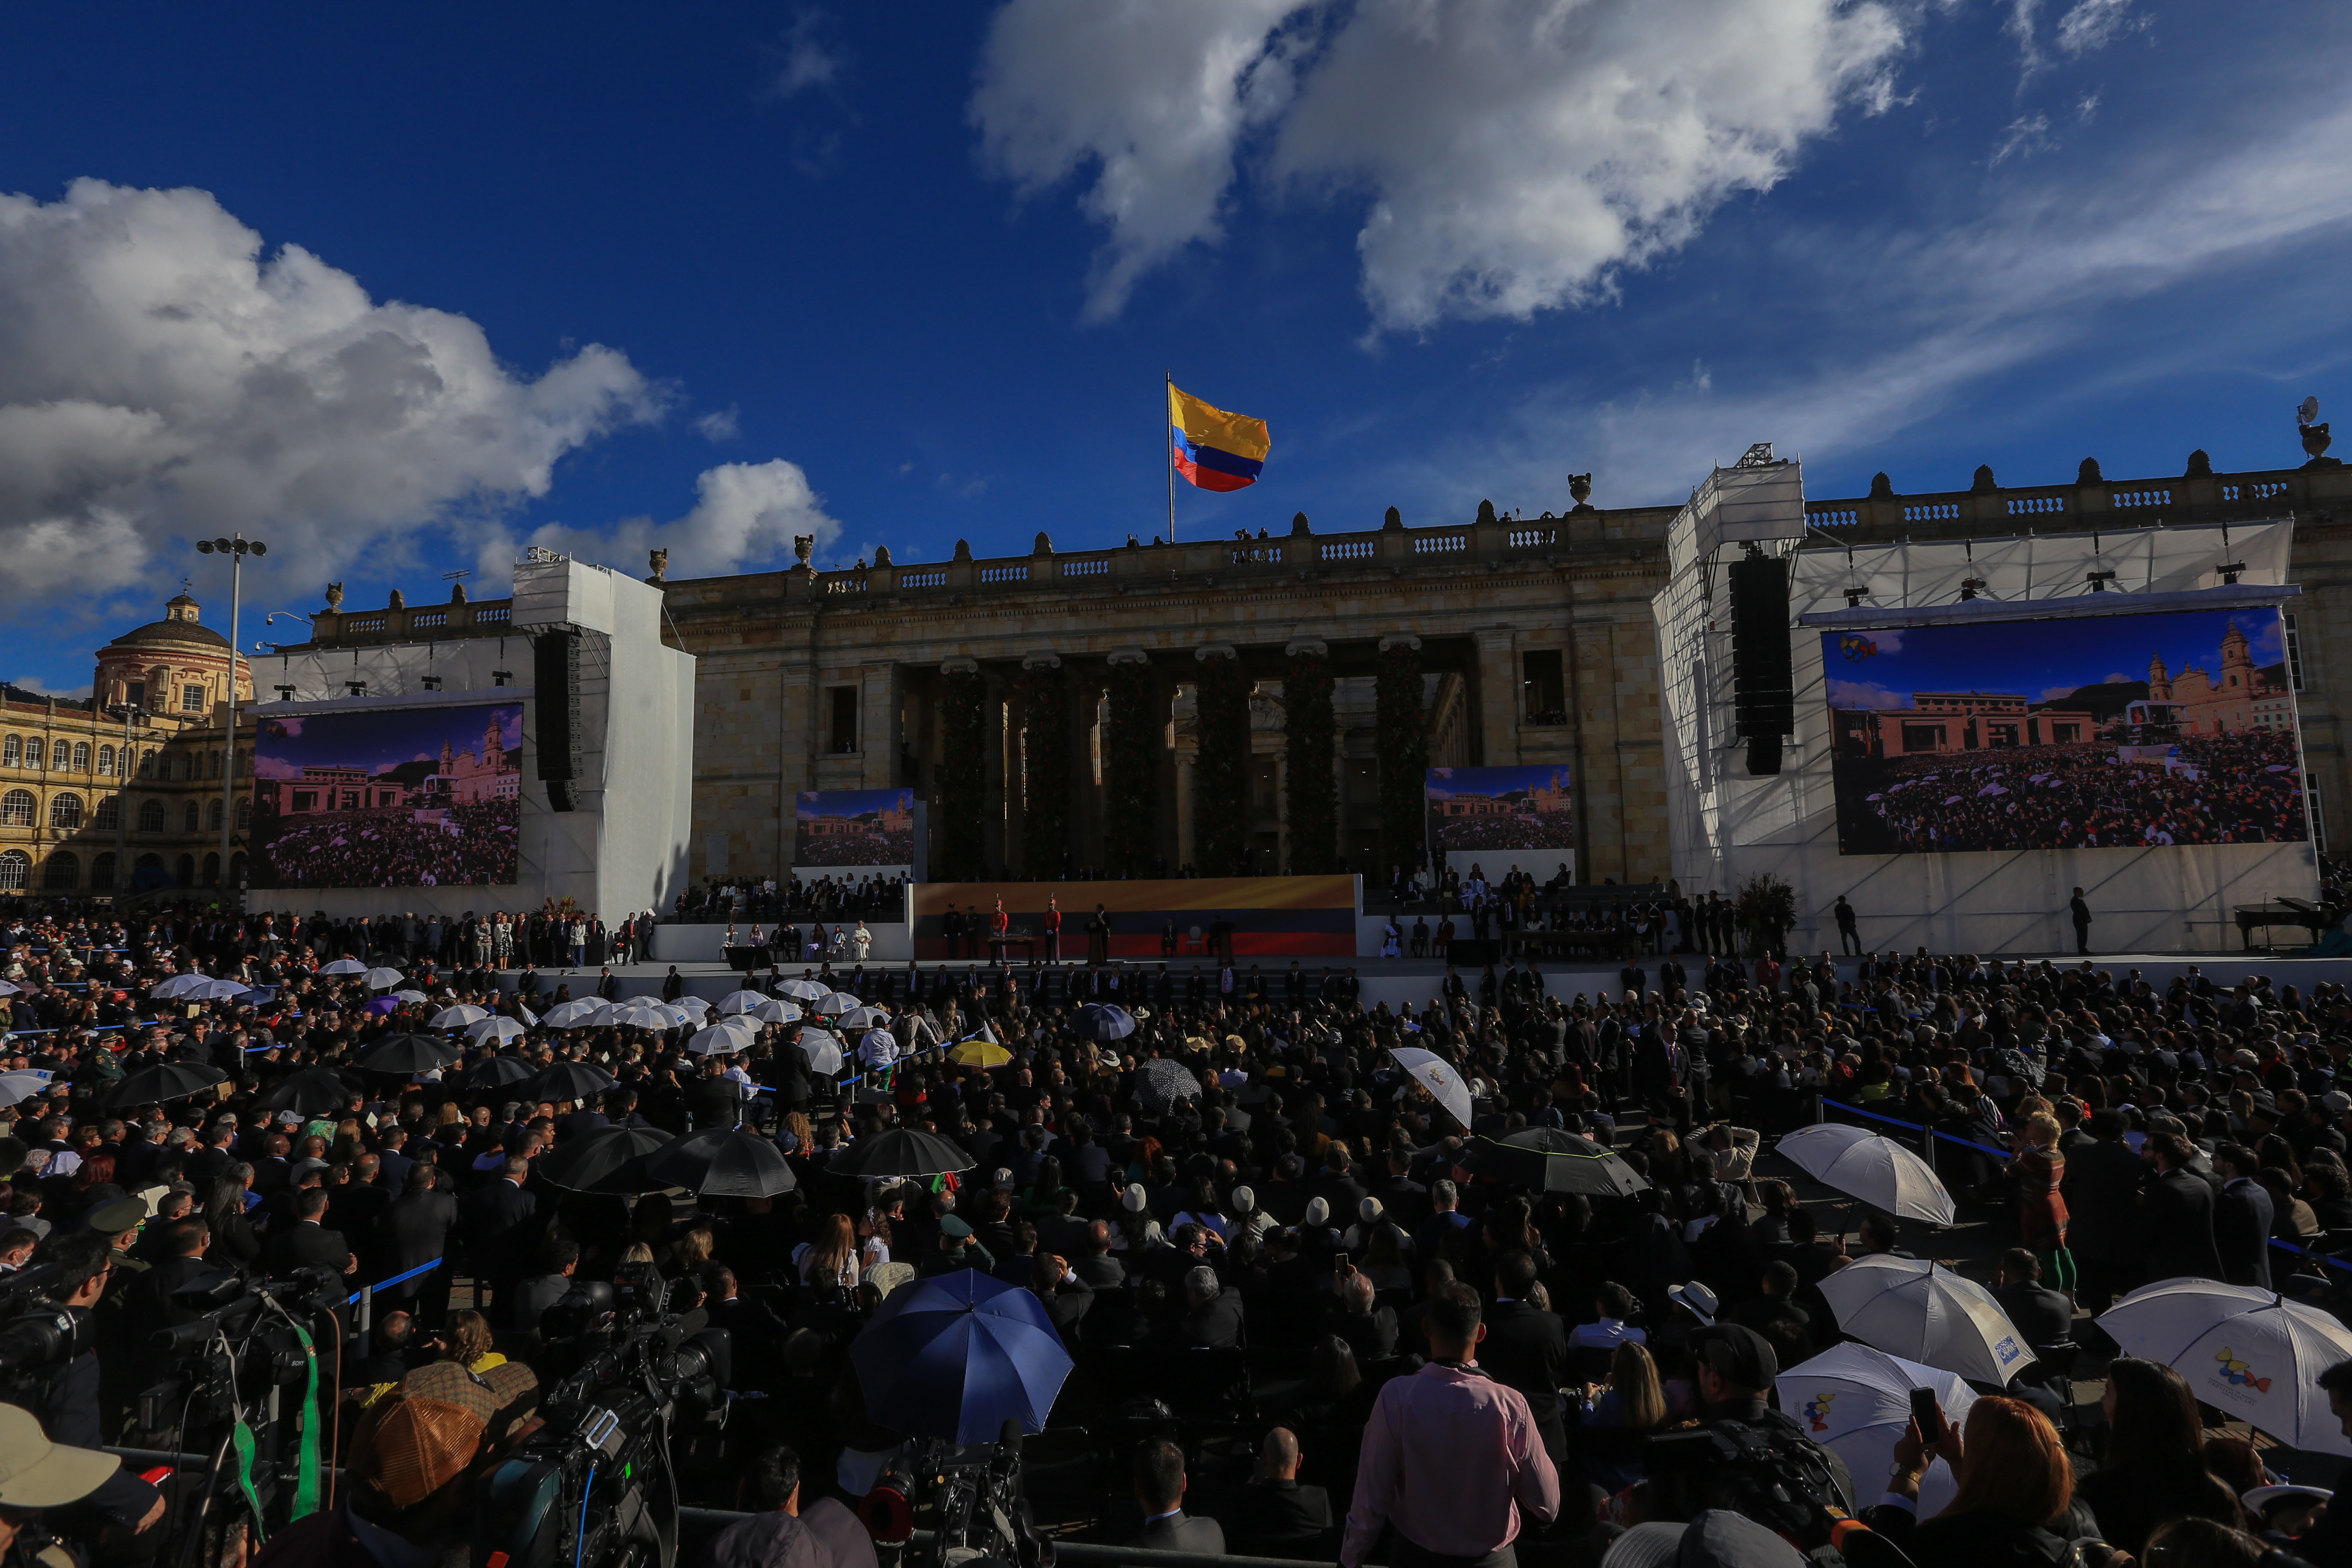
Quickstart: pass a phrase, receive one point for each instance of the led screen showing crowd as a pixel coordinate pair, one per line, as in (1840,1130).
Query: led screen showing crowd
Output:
(2124,732)
(1500,808)
(853,827)
(393,797)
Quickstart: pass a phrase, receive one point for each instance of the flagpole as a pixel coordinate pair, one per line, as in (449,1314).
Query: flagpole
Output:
(1168,453)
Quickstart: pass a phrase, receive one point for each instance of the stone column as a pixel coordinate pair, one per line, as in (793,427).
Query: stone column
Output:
(1499,696)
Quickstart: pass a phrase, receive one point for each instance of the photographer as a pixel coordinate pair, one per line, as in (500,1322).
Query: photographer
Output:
(781,1533)
(67,1400)
(1735,1368)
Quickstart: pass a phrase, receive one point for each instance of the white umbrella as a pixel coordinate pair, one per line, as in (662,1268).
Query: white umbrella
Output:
(22,1085)
(639,1015)
(573,1015)
(218,990)
(692,1004)
(493,1029)
(170,990)
(678,1016)
(822,1049)
(343,966)
(385,979)
(863,1018)
(410,997)
(464,1014)
(837,1002)
(8,989)
(1861,1165)
(1856,1402)
(719,1039)
(1928,1314)
(2249,1353)
(741,1000)
(774,1012)
(1435,1074)
(805,990)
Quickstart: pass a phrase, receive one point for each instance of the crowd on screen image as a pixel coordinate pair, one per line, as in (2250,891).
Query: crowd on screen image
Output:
(1510,830)
(895,848)
(473,845)
(2245,788)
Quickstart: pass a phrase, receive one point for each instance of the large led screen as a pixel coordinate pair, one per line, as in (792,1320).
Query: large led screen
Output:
(853,827)
(393,798)
(1500,808)
(2102,732)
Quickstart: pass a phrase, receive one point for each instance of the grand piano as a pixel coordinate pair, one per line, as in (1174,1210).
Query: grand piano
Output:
(2316,919)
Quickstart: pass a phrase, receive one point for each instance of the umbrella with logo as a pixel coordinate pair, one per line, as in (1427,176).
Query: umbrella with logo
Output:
(720,1039)
(409,1055)
(1860,1164)
(575,1081)
(693,1004)
(1856,1402)
(833,1003)
(1547,1159)
(956,1356)
(605,1160)
(859,1019)
(2249,1353)
(170,1080)
(773,1012)
(902,1151)
(1438,1076)
(722,1162)
(1924,1312)
(741,1000)
(805,990)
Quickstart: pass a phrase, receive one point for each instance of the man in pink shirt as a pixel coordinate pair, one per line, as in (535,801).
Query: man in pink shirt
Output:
(1451,1458)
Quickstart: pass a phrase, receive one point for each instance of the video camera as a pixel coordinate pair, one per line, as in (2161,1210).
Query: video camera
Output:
(968,1497)
(1776,1479)
(595,1484)
(38,1334)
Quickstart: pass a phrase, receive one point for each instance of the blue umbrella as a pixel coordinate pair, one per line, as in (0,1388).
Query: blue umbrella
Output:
(955,1355)
(1101,1022)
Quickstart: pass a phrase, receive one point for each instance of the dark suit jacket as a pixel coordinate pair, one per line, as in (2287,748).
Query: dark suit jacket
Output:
(500,1228)
(1218,1325)
(2243,1213)
(2039,1314)
(1098,1269)
(1180,1531)
(1371,1335)
(1526,1348)
(2102,1191)
(415,1230)
(2178,1216)
(302,1243)
(1274,1514)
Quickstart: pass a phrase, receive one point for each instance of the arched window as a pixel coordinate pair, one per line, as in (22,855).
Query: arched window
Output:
(12,751)
(214,762)
(16,871)
(151,817)
(65,810)
(211,871)
(236,870)
(110,814)
(149,873)
(17,810)
(187,870)
(147,763)
(244,812)
(63,873)
(106,760)
(102,874)
(81,756)
(61,755)
(188,817)
(37,752)
(213,816)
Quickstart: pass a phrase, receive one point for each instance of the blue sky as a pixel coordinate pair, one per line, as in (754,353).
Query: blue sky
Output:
(2044,660)
(400,292)
(380,739)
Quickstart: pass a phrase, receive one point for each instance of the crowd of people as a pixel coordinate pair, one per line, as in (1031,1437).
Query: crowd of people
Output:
(827,897)
(473,845)
(1309,1315)
(2245,788)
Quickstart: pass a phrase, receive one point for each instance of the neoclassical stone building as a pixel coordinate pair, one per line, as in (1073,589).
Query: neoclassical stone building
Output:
(1530,636)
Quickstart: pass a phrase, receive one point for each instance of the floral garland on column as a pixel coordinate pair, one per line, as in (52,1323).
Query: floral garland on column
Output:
(1046,739)
(1402,738)
(963,779)
(1130,765)
(1221,771)
(1311,779)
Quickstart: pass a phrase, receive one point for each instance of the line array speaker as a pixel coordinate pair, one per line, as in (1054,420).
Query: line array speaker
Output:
(1764,695)
(555,661)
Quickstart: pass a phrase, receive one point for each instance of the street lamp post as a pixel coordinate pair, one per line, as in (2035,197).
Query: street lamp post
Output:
(236,550)
(130,712)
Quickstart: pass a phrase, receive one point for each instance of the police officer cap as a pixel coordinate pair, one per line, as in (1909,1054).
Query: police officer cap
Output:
(114,1217)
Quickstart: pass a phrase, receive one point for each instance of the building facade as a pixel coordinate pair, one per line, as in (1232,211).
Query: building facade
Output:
(1534,634)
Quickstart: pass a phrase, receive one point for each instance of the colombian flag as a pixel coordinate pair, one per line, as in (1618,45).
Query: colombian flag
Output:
(1213,449)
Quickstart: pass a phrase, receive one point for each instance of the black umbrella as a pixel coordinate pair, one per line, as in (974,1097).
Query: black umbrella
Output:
(571,1081)
(902,1151)
(1551,1161)
(496,1072)
(723,1162)
(409,1055)
(1159,1084)
(608,1159)
(313,1091)
(171,1081)
(1102,1023)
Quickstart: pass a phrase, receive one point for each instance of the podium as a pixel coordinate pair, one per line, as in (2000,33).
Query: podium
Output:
(744,959)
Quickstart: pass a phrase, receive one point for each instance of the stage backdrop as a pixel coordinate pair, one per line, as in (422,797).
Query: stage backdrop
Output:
(401,797)
(2124,731)
(1500,809)
(1284,917)
(863,830)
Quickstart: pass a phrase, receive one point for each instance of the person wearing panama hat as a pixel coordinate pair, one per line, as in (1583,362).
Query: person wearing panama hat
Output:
(36,1474)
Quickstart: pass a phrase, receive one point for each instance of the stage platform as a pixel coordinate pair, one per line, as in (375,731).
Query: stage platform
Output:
(1417,980)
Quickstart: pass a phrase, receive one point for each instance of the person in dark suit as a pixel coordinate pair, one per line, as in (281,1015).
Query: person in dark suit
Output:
(1274,1511)
(2080,911)
(355,1208)
(2041,1316)
(305,1241)
(392,1163)
(2242,1215)
(1160,1490)
(1213,1315)
(415,1231)
(557,1257)
(1526,1348)
(1094,1263)
(2102,1191)
(2177,1213)
(501,1223)
(1370,1330)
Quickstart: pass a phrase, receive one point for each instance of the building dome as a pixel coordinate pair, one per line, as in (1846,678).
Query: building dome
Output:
(179,627)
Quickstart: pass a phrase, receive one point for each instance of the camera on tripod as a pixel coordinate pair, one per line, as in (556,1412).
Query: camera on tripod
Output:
(968,1497)
(595,1484)
(39,1333)
(1781,1481)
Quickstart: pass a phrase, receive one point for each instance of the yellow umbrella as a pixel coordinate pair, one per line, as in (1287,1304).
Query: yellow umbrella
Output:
(979,1054)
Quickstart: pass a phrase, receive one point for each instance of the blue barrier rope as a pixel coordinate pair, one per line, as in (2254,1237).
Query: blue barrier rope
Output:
(1849,1106)
(2321,1256)
(395,1279)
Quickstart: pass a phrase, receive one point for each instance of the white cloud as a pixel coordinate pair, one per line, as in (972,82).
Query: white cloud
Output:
(1512,153)
(746,515)
(1865,694)
(720,423)
(40,687)
(2094,24)
(2025,135)
(804,60)
(1152,98)
(160,377)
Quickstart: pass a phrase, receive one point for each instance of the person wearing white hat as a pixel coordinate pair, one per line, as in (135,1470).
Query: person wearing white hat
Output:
(36,1474)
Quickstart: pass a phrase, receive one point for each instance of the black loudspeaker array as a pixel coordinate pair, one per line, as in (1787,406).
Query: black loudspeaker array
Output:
(1763,681)
(555,660)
